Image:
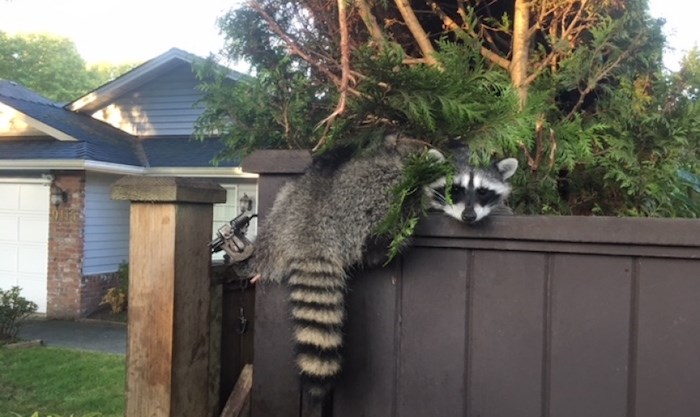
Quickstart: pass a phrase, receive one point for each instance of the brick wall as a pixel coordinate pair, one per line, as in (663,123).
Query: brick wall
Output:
(66,242)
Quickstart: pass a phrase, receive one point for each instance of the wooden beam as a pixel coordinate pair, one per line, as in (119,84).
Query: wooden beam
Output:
(238,403)
(169,295)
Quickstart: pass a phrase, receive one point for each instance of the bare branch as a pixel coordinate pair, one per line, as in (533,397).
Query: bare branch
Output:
(345,68)
(414,61)
(451,25)
(521,49)
(417,31)
(605,71)
(370,22)
(293,46)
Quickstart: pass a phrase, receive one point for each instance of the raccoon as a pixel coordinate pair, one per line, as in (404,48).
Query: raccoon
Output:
(322,225)
(475,192)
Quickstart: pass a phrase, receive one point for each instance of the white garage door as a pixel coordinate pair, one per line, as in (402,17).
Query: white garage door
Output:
(24,236)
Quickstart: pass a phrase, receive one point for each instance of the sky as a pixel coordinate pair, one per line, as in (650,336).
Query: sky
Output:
(137,30)
(121,31)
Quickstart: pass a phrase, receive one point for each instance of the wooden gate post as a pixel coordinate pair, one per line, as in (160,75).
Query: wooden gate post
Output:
(276,382)
(169,284)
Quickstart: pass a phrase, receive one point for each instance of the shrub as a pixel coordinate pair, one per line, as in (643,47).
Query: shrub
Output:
(117,297)
(13,308)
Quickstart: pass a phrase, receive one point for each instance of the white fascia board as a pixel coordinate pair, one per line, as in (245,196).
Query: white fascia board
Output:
(70,164)
(231,172)
(45,180)
(49,130)
(137,76)
(111,168)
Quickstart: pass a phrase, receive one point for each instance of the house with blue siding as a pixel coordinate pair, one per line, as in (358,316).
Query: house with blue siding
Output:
(62,238)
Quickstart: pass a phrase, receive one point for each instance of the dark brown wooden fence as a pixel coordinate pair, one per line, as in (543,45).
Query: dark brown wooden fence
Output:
(523,316)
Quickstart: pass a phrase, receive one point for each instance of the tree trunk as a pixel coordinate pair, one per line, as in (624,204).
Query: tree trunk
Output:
(521,49)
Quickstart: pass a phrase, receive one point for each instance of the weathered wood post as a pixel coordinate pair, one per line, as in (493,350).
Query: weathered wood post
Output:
(275,383)
(169,291)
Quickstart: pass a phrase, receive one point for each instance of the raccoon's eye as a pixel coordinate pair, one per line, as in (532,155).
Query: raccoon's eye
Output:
(485,195)
(457,192)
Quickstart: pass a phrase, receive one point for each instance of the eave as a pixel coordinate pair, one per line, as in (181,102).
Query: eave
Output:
(36,124)
(112,168)
(138,76)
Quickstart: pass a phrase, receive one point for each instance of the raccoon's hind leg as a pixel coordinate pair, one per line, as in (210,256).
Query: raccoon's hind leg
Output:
(317,298)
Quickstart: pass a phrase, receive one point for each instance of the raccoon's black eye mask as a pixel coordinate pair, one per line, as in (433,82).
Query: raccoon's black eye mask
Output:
(486,196)
(457,193)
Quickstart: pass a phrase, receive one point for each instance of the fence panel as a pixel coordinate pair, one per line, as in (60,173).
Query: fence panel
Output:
(521,316)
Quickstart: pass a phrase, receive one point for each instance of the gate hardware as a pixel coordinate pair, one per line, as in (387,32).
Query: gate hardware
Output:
(231,239)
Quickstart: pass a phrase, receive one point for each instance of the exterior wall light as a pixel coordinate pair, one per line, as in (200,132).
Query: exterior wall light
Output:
(245,203)
(58,196)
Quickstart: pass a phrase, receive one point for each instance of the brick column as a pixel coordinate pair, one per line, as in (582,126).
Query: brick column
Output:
(66,246)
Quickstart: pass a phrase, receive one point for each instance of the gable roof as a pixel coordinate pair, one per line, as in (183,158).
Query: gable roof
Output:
(11,89)
(78,136)
(138,76)
(74,140)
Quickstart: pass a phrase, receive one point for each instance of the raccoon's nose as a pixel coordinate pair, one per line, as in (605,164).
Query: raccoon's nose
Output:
(468,216)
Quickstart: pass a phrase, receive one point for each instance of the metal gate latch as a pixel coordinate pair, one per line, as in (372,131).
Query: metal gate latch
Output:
(231,239)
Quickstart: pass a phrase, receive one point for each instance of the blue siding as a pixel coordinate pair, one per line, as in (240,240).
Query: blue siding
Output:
(106,226)
(163,106)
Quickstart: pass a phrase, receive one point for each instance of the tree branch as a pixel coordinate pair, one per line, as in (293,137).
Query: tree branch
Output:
(417,31)
(371,23)
(604,73)
(451,25)
(293,46)
(521,49)
(485,52)
(345,69)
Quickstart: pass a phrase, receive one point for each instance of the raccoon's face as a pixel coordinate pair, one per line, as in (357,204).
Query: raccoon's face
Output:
(475,193)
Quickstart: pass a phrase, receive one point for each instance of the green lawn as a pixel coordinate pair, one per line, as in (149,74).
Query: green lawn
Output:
(61,381)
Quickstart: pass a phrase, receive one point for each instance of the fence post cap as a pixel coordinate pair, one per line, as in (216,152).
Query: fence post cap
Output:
(168,190)
(277,161)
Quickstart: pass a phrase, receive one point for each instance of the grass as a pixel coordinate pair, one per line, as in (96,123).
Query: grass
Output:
(60,381)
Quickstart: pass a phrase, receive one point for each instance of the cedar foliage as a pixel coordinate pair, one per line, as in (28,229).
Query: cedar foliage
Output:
(602,129)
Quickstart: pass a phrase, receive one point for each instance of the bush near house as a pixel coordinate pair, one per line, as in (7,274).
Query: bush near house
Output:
(13,308)
(118,297)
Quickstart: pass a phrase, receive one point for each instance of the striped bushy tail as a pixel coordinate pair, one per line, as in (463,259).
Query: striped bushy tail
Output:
(317,300)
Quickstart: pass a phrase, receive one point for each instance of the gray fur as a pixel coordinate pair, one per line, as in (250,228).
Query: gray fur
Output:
(476,192)
(319,227)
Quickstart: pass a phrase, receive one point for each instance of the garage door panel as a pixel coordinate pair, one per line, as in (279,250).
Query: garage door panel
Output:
(8,259)
(8,227)
(33,289)
(33,230)
(32,259)
(10,196)
(24,233)
(30,195)
(7,282)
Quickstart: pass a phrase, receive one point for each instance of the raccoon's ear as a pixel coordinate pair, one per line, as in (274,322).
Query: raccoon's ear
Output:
(507,167)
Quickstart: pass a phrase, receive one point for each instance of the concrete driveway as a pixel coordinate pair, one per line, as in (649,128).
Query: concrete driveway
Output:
(91,335)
